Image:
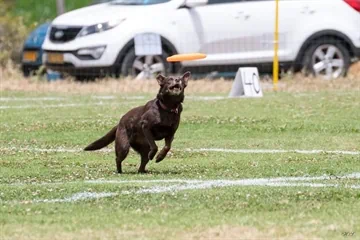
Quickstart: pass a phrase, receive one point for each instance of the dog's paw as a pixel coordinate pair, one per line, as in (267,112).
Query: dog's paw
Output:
(142,171)
(160,157)
(152,154)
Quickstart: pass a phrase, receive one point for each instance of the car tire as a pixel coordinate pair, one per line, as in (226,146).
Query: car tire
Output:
(144,67)
(26,72)
(83,78)
(327,58)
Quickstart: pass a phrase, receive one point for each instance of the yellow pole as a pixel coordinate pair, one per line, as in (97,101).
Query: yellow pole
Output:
(276,47)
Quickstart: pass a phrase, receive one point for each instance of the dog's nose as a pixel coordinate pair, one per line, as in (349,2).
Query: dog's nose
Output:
(177,80)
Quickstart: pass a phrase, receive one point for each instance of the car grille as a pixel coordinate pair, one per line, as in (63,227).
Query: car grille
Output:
(64,34)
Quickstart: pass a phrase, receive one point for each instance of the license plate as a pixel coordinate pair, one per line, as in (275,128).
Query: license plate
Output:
(30,56)
(56,58)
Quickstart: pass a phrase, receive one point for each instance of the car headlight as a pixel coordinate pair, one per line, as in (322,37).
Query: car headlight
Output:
(100,27)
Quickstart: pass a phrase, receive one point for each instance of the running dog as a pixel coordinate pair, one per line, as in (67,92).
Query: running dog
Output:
(139,128)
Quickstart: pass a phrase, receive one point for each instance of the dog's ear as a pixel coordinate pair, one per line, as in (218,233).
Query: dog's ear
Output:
(161,79)
(186,78)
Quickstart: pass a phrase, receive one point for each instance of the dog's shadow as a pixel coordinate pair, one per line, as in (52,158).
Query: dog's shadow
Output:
(152,172)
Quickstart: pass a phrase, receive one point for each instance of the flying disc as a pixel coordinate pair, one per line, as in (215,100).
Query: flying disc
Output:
(186,57)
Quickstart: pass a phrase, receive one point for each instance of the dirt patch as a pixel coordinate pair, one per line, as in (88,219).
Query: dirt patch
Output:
(216,233)
(355,69)
(56,233)
(239,233)
(12,80)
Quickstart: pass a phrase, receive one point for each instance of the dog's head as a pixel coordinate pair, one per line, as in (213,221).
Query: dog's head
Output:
(173,86)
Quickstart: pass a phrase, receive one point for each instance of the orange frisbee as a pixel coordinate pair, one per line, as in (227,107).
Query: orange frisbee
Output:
(186,57)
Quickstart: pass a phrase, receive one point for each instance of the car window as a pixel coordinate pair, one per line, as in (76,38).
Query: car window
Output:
(138,2)
(223,1)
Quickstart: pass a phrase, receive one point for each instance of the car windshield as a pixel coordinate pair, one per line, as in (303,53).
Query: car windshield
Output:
(138,2)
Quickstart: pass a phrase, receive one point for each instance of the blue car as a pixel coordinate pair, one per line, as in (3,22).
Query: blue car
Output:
(32,53)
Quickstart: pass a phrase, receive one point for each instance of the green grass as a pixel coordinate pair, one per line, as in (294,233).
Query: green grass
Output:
(324,120)
(40,11)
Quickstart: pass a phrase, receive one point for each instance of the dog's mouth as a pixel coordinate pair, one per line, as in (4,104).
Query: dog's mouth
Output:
(175,88)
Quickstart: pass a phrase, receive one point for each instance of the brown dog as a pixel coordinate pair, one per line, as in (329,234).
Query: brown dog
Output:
(140,127)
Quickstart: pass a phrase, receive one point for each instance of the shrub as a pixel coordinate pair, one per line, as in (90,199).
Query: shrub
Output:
(12,34)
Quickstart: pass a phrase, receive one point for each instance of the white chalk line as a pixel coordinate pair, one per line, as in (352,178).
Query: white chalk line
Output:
(19,99)
(110,97)
(221,150)
(195,98)
(77,197)
(189,184)
(52,106)
(355,175)
(274,151)
(198,98)
(8,99)
(69,105)
(65,105)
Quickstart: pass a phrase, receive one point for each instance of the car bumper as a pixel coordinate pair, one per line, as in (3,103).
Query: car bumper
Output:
(33,62)
(70,69)
(70,49)
(71,57)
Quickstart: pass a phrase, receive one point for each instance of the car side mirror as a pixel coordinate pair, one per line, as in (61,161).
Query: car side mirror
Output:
(195,3)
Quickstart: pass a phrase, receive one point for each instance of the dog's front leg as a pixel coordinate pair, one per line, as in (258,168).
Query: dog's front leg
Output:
(146,127)
(166,149)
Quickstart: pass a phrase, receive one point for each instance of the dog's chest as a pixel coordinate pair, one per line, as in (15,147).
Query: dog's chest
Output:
(161,131)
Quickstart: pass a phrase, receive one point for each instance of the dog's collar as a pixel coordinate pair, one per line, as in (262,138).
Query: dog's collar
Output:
(172,110)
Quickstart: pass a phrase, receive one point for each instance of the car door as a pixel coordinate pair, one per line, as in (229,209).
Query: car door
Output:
(260,29)
(219,30)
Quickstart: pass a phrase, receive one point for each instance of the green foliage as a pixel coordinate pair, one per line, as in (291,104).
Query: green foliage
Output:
(12,34)
(40,11)
(18,17)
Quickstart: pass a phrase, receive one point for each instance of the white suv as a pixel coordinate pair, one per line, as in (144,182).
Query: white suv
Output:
(322,36)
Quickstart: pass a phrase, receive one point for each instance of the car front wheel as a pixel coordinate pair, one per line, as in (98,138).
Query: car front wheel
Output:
(144,67)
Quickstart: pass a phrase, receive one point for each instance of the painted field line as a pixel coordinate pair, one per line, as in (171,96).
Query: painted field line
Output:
(51,150)
(69,105)
(224,150)
(198,185)
(104,97)
(52,106)
(249,181)
(81,196)
(205,98)
(221,150)
(212,185)
(111,97)
(198,98)
(8,99)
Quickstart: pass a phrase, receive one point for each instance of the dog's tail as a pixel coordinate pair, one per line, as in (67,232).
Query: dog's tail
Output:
(102,142)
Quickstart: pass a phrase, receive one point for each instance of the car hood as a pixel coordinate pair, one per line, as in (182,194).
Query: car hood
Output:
(37,37)
(105,12)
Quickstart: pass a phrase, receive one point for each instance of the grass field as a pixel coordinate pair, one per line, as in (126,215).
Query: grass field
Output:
(50,189)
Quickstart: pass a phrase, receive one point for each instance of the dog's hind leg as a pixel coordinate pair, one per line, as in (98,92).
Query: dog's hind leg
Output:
(122,147)
(144,160)
(143,150)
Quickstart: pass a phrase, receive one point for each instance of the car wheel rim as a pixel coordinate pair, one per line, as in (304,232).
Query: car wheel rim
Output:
(146,67)
(328,62)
